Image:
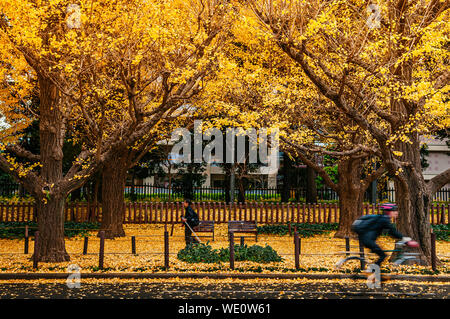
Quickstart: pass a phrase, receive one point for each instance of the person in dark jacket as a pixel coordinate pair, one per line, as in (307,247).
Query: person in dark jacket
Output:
(382,222)
(190,218)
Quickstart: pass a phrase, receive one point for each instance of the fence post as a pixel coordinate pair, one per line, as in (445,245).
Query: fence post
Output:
(361,250)
(133,245)
(297,250)
(166,249)
(347,245)
(231,236)
(25,249)
(36,250)
(85,245)
(101,254)
(433,251)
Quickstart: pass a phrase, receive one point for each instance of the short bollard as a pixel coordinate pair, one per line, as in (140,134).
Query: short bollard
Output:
(361,253)
(297,250)
(85,245)
(36,250)
(347,246)
(26,244)
(231,250)
(166,249)
(433,251)
(133,245)
(101,254)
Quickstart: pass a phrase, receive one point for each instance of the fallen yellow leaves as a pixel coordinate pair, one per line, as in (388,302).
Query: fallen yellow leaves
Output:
(318,254)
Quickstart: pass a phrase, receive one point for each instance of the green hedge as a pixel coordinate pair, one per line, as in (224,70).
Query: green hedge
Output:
(308,230)
(16,230)
(442,232)
(204,253)
(304,230)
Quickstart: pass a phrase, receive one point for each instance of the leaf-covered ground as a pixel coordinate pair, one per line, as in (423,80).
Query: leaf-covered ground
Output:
(188,289)
(318,254)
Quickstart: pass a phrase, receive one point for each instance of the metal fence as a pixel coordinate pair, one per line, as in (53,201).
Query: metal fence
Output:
(176,193)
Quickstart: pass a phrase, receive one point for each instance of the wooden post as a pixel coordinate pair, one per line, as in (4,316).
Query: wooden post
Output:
(25,249)
(361,250)
(36,250)
(166,249)
(347,245)
(101,254)
(242,241)
(133,245)
(297,250)
(433,251)
(432,214)
(85,245)
(231,236)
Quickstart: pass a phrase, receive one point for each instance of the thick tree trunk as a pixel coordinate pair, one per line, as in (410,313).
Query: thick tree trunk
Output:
(113,197)
(51,230)
(351,196)
(50,204)
(414,200)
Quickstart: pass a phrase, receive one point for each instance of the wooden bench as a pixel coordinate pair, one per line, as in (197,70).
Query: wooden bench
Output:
(239,226)
(205,227)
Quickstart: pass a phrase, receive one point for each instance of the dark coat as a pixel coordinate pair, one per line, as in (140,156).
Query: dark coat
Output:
(382,223)
(191,216)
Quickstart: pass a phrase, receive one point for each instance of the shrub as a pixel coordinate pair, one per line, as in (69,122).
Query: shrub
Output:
(442,232)
(197,253)
(16,230)
(304,230)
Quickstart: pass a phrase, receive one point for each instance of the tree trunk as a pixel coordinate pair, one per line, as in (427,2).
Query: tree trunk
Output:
(51,230)
(113,198)
(351,196)
(227,183)
(287,175)
(414,200)
(311,186)
(242,186)
(50,204)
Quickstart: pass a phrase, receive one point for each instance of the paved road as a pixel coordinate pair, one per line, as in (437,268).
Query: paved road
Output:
(139,290)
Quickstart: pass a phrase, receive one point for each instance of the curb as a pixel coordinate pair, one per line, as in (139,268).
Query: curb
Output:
(35,276)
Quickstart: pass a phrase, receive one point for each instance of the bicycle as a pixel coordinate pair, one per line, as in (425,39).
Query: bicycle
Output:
(401,258)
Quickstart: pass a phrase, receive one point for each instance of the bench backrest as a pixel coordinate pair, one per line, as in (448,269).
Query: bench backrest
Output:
(237,225)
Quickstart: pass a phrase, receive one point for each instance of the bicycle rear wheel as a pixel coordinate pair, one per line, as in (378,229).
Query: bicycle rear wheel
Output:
(409,261)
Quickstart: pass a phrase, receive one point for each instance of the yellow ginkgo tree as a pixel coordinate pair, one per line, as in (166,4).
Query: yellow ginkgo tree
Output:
(258,86)
(107,72)
(385,67)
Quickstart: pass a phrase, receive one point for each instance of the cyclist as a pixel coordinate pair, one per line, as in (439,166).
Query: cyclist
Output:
(370,227)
